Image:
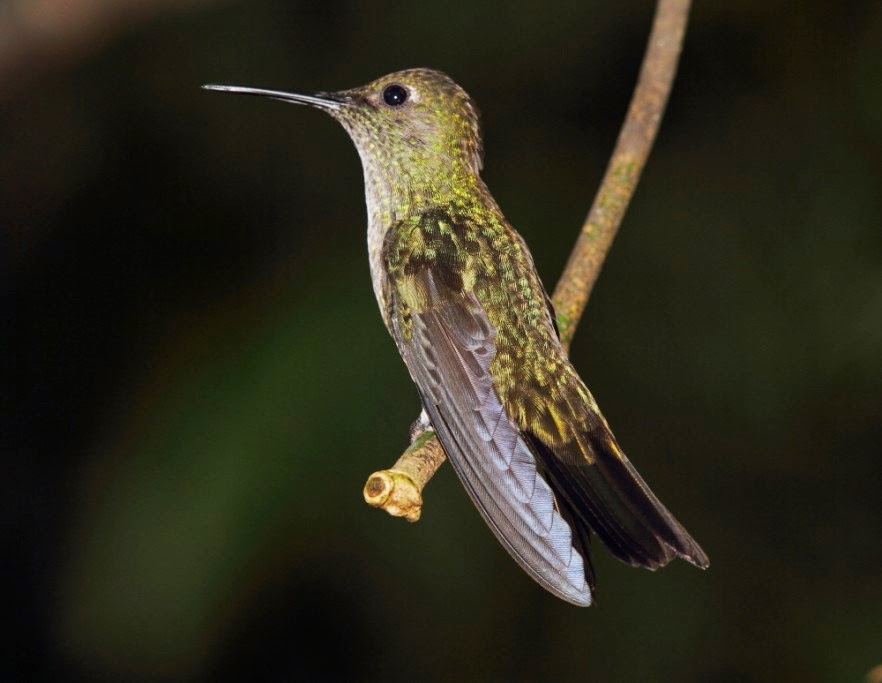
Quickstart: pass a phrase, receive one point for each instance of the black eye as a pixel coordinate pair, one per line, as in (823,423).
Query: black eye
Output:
(395,95)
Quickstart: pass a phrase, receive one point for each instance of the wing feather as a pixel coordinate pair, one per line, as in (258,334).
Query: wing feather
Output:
(449,352)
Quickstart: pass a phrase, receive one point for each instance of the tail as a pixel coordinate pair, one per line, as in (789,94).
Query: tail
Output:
(597,487)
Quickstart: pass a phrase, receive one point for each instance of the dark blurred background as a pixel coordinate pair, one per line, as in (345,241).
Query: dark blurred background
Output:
(197,381)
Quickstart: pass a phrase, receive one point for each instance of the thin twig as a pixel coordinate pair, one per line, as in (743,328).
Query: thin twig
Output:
(399,490)
(628,159)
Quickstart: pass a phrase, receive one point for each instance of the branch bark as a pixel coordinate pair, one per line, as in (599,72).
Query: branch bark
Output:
(399,490)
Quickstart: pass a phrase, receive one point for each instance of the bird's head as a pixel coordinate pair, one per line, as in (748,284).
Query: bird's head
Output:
(401,122)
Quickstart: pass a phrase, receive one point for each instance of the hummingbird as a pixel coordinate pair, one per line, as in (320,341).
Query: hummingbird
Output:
(460,296)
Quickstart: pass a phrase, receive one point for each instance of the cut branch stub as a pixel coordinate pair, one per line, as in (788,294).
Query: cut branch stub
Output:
(398,490)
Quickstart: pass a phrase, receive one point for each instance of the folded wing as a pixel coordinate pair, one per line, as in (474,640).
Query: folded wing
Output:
(448,348)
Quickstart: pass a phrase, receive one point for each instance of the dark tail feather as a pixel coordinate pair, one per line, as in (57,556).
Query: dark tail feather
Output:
(603,491)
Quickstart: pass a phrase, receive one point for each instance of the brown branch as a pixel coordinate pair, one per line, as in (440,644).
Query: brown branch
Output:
(399,490)
(628,159)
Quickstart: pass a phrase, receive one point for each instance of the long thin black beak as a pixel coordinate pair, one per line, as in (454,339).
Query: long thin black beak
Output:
(322,100)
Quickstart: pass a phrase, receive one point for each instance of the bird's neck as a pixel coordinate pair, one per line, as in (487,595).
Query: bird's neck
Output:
(406,185)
